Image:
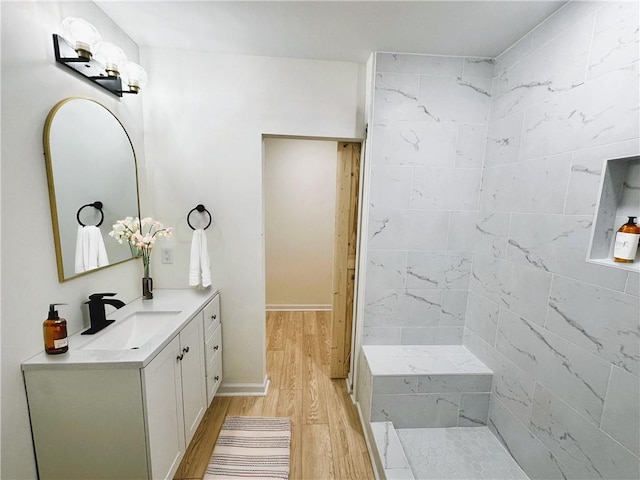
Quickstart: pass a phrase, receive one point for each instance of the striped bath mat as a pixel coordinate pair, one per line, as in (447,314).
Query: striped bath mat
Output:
(251,447)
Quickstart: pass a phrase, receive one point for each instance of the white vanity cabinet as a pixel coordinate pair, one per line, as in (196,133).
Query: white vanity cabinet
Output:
(128,414)
(175,398)
(213,347)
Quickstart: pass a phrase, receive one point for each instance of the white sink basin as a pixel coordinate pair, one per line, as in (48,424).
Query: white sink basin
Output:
(131,332)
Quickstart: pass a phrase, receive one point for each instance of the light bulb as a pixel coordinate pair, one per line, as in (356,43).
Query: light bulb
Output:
(81,35)
(134,75)
(111,56)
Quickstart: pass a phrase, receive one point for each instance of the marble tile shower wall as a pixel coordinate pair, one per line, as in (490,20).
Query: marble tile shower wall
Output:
(561,335)
(428,138)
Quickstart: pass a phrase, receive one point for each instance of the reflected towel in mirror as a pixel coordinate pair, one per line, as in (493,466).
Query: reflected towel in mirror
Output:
(199,268)
(90,250)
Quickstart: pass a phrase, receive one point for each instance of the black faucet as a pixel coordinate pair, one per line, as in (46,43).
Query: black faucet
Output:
(97,314)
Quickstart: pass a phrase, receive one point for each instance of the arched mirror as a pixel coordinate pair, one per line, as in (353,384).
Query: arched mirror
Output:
(92,176)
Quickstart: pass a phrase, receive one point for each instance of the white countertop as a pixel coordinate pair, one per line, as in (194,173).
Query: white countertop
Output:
(187,302)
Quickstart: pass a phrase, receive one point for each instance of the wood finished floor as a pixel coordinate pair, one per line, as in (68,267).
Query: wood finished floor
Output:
(326,436)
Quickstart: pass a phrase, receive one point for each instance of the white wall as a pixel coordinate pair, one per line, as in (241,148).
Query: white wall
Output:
(32,83)
(300,198)
(205,115)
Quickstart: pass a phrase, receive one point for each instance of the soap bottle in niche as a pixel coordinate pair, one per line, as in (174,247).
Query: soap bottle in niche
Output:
(627,240)
(55,332)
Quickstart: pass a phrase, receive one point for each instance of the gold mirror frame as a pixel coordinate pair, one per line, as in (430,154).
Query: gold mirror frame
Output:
(76,143)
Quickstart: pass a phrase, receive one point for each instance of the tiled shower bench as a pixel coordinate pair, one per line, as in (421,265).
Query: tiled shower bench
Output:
(417,386)
(416,401)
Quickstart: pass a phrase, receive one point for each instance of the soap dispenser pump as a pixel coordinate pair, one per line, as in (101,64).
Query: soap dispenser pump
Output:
(55,332)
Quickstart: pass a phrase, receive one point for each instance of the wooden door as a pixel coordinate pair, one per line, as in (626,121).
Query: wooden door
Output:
(344,257)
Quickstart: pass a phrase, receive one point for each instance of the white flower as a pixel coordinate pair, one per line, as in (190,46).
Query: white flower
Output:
(140,234)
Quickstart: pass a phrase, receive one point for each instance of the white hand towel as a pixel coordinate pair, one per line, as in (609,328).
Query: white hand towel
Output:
(199,265)
(90,250)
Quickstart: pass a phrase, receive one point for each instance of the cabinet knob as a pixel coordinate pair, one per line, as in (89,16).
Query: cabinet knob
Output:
(213,317)
(185,350)
(180,357)
(216,378)
(216,347)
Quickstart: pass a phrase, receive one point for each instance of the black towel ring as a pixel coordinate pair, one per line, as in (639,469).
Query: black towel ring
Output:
(97,206)
(200,208)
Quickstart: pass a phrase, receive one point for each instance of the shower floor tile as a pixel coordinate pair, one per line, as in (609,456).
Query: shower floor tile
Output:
(457,453)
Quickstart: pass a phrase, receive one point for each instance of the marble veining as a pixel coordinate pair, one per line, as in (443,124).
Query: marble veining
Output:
(491,233)
(593,114)
(547,73)
(455,100)
(409,307)
(558,244)
(530,186)
(408,229)
(388,446)
(615,38)
(521,289)
(574,374)
(478,67)
(523,445)
(617,339)
(503,142)
(414,144)
(458,453)
(581,447)
(438,270)
(478,89)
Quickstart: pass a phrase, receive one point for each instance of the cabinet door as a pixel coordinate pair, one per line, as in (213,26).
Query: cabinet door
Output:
(165,420)
(194,394)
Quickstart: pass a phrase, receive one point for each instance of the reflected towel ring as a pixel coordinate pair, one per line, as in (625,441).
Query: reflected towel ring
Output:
(97,206)
(200,208)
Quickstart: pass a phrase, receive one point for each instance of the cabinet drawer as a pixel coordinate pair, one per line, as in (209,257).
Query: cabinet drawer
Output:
(214,377)
(213,346)
(211,316)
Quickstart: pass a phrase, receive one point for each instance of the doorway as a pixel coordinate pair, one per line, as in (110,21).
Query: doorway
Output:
(311,204)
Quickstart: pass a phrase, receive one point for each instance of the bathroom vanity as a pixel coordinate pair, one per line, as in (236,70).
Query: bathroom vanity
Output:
(126,402)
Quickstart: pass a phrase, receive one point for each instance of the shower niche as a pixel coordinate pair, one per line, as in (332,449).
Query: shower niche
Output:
(619,198)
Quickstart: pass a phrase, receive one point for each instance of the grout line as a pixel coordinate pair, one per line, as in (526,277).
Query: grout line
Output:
(566,190)
(593,33)
(606,395)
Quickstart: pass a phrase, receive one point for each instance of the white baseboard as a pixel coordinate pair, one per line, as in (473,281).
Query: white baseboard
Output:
(244,389)
(297,308)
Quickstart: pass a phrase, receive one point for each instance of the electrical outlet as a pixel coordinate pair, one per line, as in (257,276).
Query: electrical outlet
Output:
(166,255)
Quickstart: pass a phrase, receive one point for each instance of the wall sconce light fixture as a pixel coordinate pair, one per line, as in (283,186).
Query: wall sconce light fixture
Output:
(80,47)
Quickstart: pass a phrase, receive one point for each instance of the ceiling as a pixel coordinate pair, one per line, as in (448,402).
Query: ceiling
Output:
(330,30)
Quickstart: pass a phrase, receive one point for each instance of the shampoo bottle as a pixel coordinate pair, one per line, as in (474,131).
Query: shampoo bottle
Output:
(627,240)
(55,332)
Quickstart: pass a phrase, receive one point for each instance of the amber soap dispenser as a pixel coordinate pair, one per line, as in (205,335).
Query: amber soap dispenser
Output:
(627,240)
(55,332)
